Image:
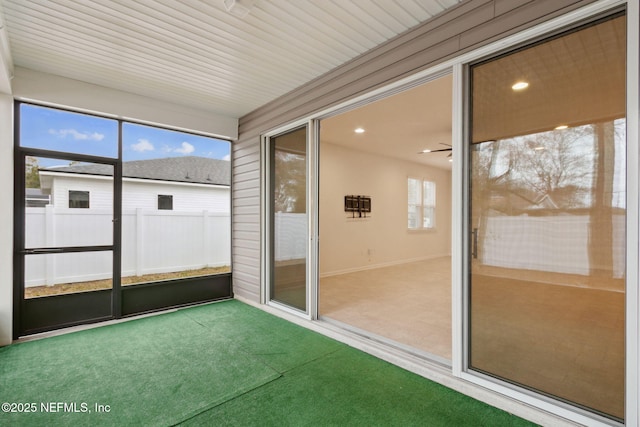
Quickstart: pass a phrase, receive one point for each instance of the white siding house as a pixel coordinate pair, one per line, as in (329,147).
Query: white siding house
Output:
(194,184)
(175,217)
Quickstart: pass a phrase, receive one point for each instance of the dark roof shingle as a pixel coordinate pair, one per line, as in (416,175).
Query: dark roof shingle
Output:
(193,169)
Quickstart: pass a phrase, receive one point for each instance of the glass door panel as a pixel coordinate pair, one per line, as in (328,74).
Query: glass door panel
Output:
(547,217)
(385,267)
(289,231)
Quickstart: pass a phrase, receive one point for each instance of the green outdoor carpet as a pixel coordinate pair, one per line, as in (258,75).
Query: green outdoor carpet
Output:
(221,364)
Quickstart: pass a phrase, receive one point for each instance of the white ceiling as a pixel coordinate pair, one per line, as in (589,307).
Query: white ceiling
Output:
(194,52)
(400,126)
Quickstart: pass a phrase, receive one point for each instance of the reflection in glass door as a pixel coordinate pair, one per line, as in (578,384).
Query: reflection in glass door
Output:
(547,217)
(288,218)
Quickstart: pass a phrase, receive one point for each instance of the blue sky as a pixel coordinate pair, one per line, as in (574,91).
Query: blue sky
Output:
(79,133)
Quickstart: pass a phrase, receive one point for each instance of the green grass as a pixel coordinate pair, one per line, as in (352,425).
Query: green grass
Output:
(223,364)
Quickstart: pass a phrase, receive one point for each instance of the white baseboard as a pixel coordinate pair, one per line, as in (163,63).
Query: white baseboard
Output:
(380,265)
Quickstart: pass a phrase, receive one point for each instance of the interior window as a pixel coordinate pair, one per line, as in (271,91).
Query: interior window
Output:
(421,204)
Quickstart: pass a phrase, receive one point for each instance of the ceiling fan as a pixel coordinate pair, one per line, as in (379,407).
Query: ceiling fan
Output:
(436,151)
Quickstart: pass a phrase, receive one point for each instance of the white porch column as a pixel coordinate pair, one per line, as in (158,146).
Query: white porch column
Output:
(6,219)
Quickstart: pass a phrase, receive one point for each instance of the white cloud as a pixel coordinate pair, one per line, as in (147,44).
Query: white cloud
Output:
(186,148)
(78,136)
(143,145)
(227,157)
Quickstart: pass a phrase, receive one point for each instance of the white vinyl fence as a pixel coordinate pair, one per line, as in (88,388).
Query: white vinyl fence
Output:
(290,236)
(170,241)
(152,242)
(557,244)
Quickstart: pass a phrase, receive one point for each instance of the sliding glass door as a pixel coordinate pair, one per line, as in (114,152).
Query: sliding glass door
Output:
(384,212)
(288,221)
(547,217)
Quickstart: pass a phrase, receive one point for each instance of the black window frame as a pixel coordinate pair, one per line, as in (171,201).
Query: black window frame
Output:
(79,203)
(36,315)
(165,202)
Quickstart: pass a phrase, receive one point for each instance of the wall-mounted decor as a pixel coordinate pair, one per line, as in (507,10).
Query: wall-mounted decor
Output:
(358,206)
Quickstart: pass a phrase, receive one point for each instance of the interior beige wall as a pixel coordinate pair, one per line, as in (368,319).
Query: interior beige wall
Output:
(348,244)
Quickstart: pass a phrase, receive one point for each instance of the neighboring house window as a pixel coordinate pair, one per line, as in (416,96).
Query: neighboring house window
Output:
(165,202)
(78,199)
(421,204)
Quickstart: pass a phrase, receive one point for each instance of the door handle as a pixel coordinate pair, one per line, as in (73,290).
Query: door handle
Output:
(474,243)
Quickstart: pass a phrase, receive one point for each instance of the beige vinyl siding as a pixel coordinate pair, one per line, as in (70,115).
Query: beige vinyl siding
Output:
(245,245)
(466,27)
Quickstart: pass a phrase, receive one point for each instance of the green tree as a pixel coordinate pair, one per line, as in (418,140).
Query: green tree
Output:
(32,172)
(289,182)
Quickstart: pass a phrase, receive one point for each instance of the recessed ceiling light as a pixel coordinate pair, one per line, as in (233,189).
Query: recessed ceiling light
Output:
(451,159)
(521,85)
(561,127)
(426,151)
(359,130)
